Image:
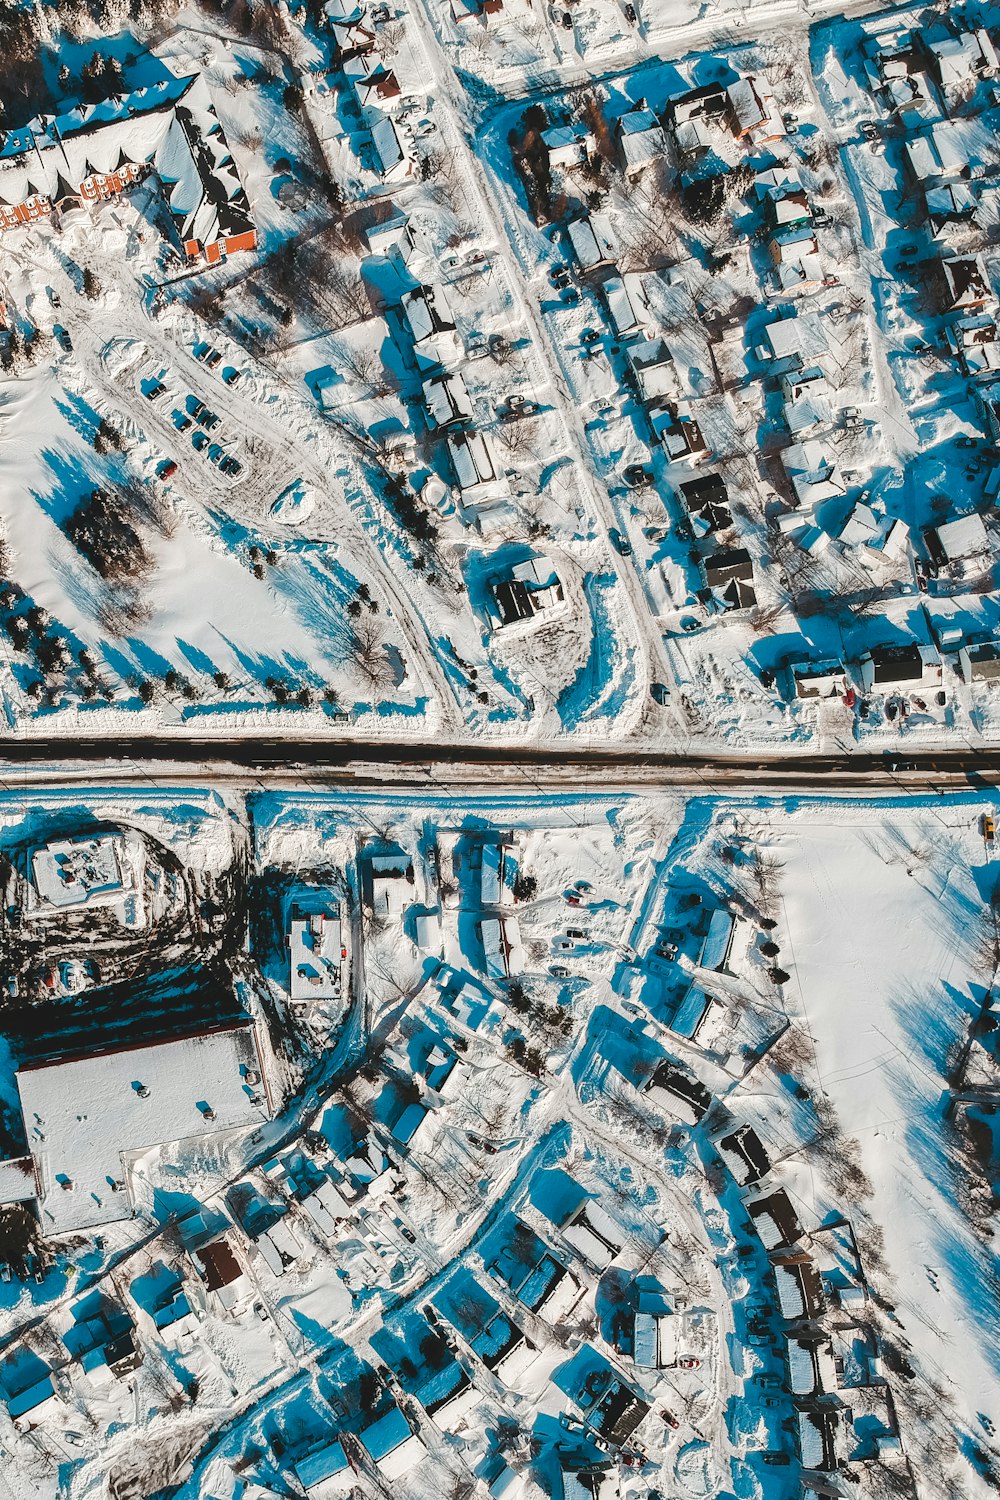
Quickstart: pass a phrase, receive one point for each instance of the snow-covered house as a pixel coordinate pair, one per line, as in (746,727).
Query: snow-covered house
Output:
(967,283)
(432,326)
(818,679)
(895,67)
(568,145)
(375,89)
(393,1448)
(936,155)
(640,139)
(326,1472)
(625,299)
(798,266)
(227,1287)
(975,342)
(592,240)
(653,369)
(677,430)
(960,547)
(447,400)
(94,151)
(528,589)
(85,1116)
(810,1366)
(475,464)
(979,661)
(593,1234)
(794,342)
(812,472)
(951,207)
(775,1220)
(962,59)
(390,877)
(394,149)
(706,500)
(697,115)
(753,111)
(729,578)
(316,956)
(84,872)
(34,1404)
(682,1096)
(912,664)
(799,1287)
(744,1153)
(807,399)
(449,1397)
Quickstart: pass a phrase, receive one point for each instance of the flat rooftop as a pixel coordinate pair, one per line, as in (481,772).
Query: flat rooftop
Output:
(78,872)
(83,1115)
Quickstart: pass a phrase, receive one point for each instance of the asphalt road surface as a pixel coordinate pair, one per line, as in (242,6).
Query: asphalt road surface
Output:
(300,762)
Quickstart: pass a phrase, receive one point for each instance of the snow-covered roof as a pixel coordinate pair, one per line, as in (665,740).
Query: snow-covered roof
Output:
(83,1115)
(325,1465)
(392,1446)
(392,148)
(80,872)
(17,1180)
(447,399)
(962,538)
(472,460)
(592,239)
(316,956)
(427,311)
(802,336)
(626,302)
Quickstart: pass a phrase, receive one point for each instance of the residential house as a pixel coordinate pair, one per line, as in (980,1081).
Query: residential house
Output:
(326,1472)
(729,577)
(392,1446)
(432,326)
(530,588)
(936,155)
(474,463)
(962,59)
(797,263)
(394,149)
(568,145)
(640,139)
(653,369)
(754,114)
(376,89)
(447,400)
(592,241)
(226,1284)
(775,1220)
(979,661)
(678,1093)
(390,876)
(799,1288)
(168,129)
(960,547)
(706,500)
(818,679)
(625,299)
(697,116)
(674,427)
(745,1155)
(317,956)
(593,1234)
(951,207)
(912,664)
(975,343)
(967,283)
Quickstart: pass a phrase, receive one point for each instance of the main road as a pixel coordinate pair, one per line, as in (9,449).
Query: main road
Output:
(303,763)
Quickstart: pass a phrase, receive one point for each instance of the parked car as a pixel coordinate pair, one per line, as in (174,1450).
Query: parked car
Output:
(660,693)
(636,476)
(621,543)
(210,420)
(233,376)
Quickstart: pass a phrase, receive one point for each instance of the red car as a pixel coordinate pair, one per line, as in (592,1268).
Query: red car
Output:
(168,470)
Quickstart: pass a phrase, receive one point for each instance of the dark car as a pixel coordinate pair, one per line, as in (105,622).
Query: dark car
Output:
(636,476)
(660,693)
(621,543)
